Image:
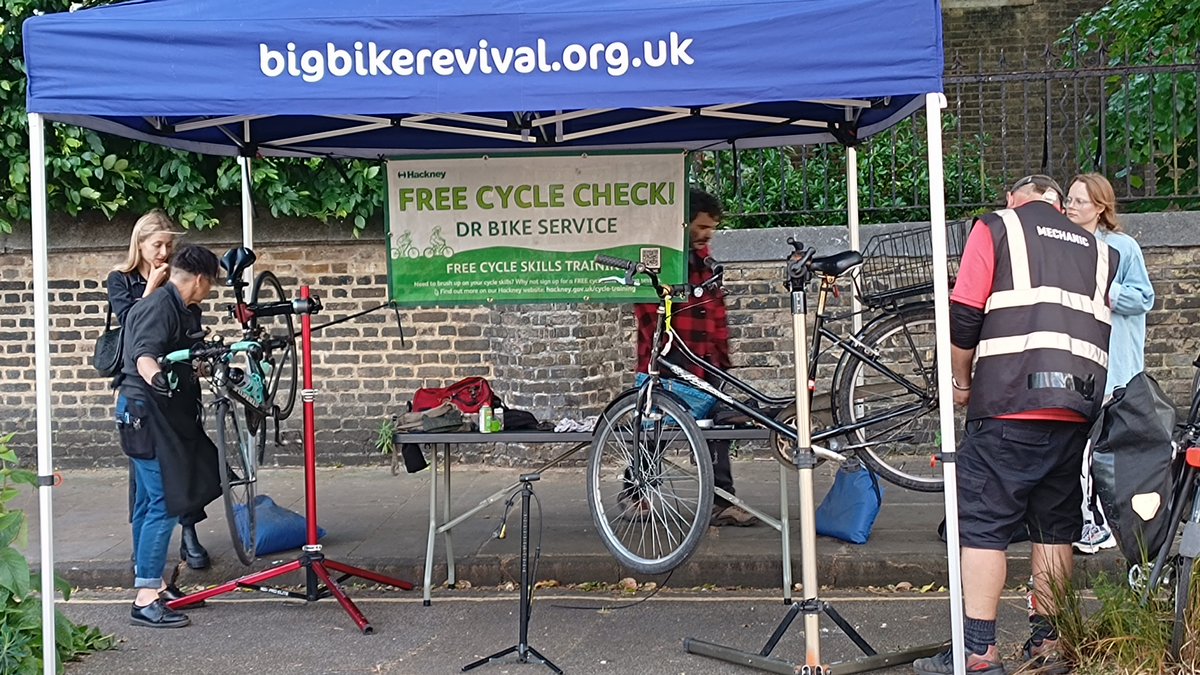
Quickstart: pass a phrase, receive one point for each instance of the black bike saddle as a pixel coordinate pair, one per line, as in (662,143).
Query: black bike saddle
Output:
(236,261)
(837,263)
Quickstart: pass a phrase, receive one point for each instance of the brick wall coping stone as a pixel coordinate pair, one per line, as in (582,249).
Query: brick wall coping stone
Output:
(1152,230)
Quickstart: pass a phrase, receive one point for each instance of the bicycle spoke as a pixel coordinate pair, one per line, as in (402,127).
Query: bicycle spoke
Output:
(889,405)
(649,505)
(236,452)
(276,334)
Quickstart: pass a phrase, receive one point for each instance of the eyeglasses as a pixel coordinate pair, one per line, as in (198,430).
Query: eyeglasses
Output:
(1077,202)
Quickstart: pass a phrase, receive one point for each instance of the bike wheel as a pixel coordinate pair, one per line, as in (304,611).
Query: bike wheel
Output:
(892,404)
(279,345)
(650,483)
(239,480)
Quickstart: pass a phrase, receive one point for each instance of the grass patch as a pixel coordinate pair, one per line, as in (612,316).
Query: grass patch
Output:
(1124,636)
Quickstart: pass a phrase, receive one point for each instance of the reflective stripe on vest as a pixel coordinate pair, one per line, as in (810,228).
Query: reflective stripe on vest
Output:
(1045,313)
(1042,340)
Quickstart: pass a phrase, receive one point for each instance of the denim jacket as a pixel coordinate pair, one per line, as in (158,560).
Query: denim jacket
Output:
(1131,298)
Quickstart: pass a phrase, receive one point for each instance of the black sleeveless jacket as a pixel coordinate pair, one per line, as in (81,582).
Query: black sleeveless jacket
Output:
(1044,339)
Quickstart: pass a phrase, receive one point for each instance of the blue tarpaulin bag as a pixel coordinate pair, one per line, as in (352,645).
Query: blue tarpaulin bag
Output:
(850,507)
(699,403)
(278,529)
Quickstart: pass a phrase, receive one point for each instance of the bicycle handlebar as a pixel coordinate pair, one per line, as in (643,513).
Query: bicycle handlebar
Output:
(209,350)
(632,268)
(619,263)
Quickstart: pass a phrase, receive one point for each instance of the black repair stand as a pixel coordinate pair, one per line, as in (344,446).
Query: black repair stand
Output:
(318,570)
(525,653)
(799,273)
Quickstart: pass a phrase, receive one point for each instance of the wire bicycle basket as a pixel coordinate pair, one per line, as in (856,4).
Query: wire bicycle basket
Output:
(898,265)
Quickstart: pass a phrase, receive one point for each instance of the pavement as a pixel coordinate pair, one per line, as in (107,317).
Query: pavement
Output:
(378,521)
(596,633)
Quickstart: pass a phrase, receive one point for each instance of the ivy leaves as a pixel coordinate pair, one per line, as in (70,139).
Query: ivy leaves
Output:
(87,172)
(1151,130)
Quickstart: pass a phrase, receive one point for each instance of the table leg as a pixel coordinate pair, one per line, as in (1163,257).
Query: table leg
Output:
(433,526)
(780,525)
(449,534)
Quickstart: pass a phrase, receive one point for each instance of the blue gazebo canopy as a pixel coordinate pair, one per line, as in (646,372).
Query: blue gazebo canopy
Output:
(373,78)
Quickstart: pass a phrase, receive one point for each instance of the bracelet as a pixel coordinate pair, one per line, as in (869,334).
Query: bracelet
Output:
(956,385)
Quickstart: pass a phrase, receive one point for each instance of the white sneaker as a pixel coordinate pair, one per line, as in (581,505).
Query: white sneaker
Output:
(1095,537)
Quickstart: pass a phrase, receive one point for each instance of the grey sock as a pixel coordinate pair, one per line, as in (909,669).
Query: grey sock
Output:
(980,635)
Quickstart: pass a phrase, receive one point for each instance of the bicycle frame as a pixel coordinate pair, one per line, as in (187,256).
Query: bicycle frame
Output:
(252,393)
(821,332)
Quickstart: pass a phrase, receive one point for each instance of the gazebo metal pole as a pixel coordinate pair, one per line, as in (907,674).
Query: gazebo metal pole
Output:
(41,350)
(852,218)
(941,292)
(247,211)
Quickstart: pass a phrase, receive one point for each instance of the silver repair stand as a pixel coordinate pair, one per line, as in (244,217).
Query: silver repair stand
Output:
(799,273)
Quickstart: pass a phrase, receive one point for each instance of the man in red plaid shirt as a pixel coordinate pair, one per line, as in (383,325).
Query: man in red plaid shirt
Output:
(701,324)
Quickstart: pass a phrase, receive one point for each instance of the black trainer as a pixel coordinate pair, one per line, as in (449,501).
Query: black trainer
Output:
(157,615)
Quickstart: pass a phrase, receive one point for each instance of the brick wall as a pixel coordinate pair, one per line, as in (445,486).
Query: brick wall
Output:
(978,32)
(1029,126)
(553,360)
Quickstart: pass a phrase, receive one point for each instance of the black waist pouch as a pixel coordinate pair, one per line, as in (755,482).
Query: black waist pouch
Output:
(133,425)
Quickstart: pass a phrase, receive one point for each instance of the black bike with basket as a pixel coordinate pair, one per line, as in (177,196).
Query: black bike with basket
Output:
(891,413)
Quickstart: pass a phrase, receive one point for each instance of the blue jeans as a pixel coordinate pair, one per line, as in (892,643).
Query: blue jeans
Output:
(152,526)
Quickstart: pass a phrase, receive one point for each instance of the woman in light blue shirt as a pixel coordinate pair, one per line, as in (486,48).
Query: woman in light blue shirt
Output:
(1092,204)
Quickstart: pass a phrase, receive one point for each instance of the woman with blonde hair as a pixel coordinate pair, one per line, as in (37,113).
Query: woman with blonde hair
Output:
(1092,205)
(145,269)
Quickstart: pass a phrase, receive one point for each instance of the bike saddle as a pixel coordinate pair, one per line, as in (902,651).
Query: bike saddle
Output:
(837,263)
(236,261)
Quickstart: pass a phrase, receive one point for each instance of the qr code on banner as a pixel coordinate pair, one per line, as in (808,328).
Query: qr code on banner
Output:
(652,258)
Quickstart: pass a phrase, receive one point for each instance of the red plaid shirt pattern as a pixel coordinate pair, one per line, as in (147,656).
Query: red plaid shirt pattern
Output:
(700,322)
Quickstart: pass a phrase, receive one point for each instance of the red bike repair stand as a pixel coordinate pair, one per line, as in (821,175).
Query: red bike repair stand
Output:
(316,566)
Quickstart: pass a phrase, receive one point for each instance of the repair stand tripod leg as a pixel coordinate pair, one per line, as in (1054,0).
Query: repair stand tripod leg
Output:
(799,274)
(524,651)
(315,565)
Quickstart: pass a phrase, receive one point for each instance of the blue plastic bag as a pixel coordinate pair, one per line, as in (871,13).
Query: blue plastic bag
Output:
(849,509)
(278,529)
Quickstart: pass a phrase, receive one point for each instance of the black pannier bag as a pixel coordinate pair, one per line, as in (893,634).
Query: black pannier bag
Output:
(1133,454)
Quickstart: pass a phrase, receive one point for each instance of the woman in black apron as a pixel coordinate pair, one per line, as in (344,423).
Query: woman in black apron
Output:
(158,416)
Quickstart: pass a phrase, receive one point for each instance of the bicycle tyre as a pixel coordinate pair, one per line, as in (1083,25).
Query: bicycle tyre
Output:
(239,480)
(673,497)
(905,342)
(1184,580)
(283,360)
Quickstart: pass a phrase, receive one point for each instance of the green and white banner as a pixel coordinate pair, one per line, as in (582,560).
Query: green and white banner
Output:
(470,230)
